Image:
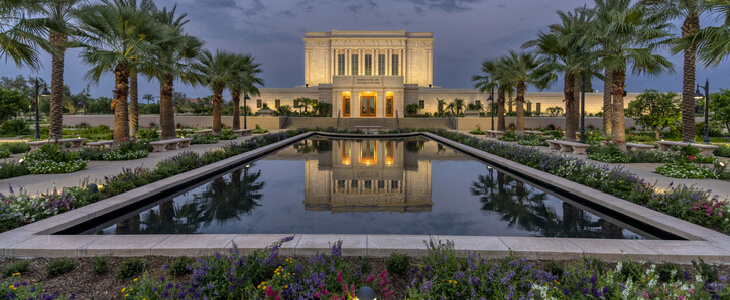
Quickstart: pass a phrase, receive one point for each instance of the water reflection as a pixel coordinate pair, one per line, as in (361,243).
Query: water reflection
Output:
(528,208)
(395,186)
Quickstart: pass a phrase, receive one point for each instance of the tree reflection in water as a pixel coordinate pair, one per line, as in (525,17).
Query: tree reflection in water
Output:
(526,208)
(223,200)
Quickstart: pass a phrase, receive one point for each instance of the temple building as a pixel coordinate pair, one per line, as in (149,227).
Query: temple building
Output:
(375,74)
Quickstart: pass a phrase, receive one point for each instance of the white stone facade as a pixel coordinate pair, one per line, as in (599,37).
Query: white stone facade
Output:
(378,73)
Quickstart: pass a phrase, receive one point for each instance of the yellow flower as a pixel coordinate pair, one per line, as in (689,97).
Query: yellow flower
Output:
(16,274)
(124,289)
(286,286)
(135,279)
(126,295)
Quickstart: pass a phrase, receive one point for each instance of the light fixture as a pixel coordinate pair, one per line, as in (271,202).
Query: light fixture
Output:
(365,293)
(248,166)
(698,95)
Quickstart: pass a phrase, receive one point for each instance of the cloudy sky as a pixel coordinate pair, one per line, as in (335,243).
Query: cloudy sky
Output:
(466,32)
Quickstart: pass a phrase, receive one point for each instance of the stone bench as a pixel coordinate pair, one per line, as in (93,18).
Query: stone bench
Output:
(565,146)
(369,129)
(172,144)
(75,143)
(494,133)
(704,149)
(633,146)
(242,132)
(535,132)
(203,131)
(106,144)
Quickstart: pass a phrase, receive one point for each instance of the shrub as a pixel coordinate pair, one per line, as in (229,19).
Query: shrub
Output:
(530,140)
(723,150)
(177,164)
(131,267)
(50,159)
(708,272)
(16,267)
(227,134)
(509,136)
(398,264)
(686,170)
(100,264)
(668,272)
(259,130)
(60,266)
(609,154)
(4,153)
(205,139)
(179,266)
(631,270)
(148,134)
(555,268)
(15,147)
(14,127)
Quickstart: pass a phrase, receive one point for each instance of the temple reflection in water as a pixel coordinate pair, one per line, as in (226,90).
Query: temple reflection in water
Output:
(368,175)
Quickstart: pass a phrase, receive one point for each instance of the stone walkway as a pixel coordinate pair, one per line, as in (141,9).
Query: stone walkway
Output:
(720,188)
(96,170)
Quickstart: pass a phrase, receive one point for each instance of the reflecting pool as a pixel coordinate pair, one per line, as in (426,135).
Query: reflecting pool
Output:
(368,186)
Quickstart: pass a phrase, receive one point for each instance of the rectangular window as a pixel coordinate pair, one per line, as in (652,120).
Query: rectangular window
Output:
(340,64)
(537,108)
(478,103)
(420,104)
(258,103)
(529,107)
(353,183)
(355,64)
(368,64)
(394,184)
(381,184)
(394,65)
(346,105)
(277,103)
(341,184)
(381,64)
(296,103)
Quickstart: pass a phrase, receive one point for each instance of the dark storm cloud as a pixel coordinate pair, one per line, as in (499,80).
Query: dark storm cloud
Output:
(254,8)
(368,5)
(287,13)
(216,4)
(443,5)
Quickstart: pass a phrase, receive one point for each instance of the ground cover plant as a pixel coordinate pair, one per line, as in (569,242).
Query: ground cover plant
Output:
(126,151)
(442,273)
(205,139)
(478,131)
(15,147)
(51,159)
(259,130)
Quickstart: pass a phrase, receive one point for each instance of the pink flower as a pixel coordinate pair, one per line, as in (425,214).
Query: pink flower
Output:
(339,277)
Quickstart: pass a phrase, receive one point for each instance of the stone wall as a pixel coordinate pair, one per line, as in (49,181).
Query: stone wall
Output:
(154,121)
(485,123)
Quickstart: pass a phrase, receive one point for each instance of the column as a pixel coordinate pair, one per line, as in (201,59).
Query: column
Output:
(387,62)
(376,62)
(347,61)
(361,61)
(401,58)
(333,63)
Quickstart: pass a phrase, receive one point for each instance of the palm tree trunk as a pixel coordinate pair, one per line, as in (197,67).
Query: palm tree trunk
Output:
(570,107)
(57,64)
(500,111)
(236,110)
(121,126)
(217,101)
(167,112)
(133,105)
(617,119)
(607,102)
(691,26)
(520,108)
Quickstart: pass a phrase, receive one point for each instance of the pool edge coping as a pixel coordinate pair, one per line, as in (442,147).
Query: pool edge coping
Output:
(33,239)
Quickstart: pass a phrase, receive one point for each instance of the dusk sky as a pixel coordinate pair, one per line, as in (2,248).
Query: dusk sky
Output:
(466,32)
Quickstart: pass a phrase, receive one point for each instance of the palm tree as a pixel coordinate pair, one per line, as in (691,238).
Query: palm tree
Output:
(523,69)
(148,97)
(58,14)
(172,60)
(216,71)
(488,82)
(112,35)
(563,53)
(458,105)
(441,104)
(628,36)
(246,83)
(20,35)
(690,10)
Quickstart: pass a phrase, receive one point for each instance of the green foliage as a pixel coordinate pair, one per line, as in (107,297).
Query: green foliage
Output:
(700,130)
(720,107)
(205,139)
(16,267)
(60,266)
(668,272)
(686,170)
(530,140)
(723,150)
(631,270)
(15,147)
(14,127)
(100,264)
(412,109)
(398,264)
(227,134)
(259,130)
(555,111)
(4,153)
(555,268)
(509,136)
(11,103)
(148,134)
(656,110)
(179,266)
(708,272)
(50,159)
(131,267)
(609,154)
(366,266)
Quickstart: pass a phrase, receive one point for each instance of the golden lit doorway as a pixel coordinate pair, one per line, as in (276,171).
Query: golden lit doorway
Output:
(389,104)
(367,104)
(346,104)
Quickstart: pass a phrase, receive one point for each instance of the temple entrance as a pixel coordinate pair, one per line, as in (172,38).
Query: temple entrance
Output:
(367,106)
(389,105)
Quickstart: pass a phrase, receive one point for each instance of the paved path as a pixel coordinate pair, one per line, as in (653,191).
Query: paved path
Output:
(96,170)
(646,171)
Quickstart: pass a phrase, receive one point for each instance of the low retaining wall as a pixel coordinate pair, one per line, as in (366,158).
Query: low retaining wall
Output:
(154,120)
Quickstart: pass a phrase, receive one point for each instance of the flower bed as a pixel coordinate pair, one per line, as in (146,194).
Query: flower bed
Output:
(4,153)
(686,170)
(49,159)
(205,139)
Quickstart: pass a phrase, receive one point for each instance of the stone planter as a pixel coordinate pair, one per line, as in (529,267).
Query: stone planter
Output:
(471,113)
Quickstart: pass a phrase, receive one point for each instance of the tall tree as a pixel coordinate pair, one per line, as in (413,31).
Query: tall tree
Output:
(493,78)
(628,36)
(21,35)
(562,52)
(113,35)
(523,70)
(690,11)
(216,70)
(245,83)
(172,60)
(59,14)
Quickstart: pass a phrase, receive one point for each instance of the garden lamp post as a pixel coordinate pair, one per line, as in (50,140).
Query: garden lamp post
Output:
(491,108)
(37,104)
(583,108)
(698,96)
(245,109)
